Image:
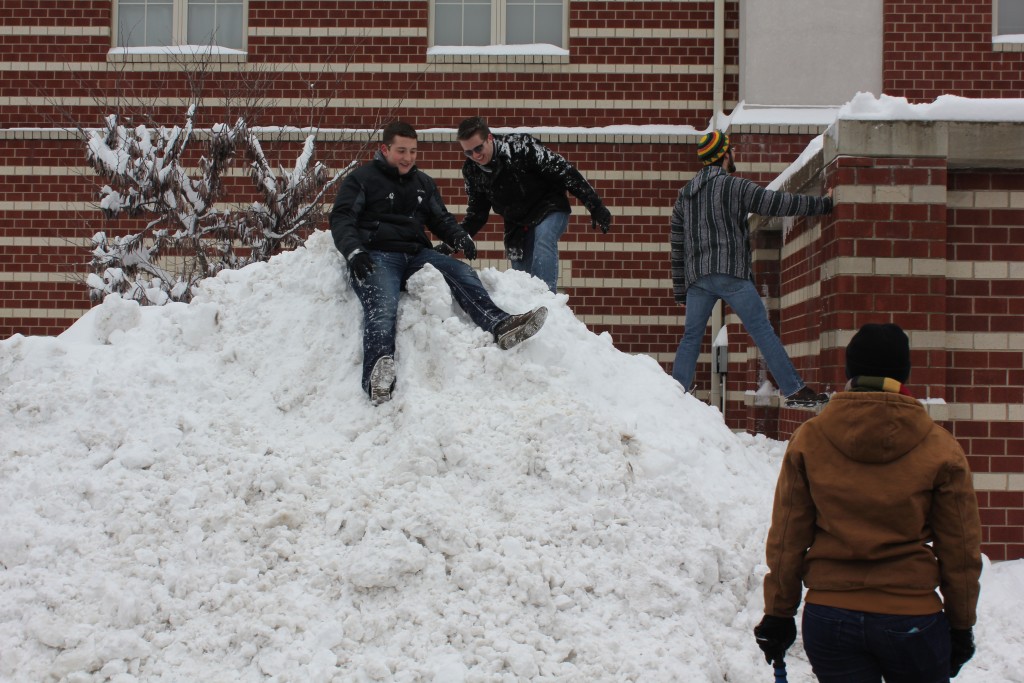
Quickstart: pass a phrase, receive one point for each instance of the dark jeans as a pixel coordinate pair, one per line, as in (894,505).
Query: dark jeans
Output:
(379,295)
(846,646)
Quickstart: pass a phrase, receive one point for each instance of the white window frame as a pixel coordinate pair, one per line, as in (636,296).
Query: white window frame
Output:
(179,29)
(499,10)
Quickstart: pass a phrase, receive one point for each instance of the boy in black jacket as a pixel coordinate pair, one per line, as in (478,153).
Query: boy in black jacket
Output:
(525,183)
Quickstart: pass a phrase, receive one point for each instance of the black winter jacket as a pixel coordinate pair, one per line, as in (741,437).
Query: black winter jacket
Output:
(377,208)
(524,183)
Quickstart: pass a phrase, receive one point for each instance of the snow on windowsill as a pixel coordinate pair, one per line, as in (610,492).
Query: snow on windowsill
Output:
(532,49)
(1012,42)
(175,53)
(490,54)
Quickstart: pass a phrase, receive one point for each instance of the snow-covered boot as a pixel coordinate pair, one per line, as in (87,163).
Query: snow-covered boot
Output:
(806,398)
(382,380)
(518,328)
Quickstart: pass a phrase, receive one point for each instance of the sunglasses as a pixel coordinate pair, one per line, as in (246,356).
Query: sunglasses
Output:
(479,149)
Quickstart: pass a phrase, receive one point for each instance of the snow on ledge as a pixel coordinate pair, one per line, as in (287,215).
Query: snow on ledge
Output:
(866,107)
(175,50)
(531,49)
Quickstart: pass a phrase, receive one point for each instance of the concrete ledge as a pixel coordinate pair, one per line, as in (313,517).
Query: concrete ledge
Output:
(913,139)
(965,144)
(986,144)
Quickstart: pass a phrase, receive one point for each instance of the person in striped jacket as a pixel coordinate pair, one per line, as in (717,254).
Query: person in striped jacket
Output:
(711,260)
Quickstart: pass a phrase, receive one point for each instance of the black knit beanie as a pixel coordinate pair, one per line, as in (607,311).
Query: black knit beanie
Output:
(879,351)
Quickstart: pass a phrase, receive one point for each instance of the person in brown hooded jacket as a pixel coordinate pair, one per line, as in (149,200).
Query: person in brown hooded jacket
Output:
(874,509)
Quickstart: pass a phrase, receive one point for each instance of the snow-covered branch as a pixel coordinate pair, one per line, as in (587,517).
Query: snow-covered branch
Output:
(147,176)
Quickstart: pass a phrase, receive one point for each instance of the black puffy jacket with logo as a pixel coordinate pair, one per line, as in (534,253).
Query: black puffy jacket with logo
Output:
(378,208)
(524,182)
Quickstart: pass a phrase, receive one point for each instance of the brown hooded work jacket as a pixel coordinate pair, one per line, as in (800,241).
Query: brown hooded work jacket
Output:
(874,510)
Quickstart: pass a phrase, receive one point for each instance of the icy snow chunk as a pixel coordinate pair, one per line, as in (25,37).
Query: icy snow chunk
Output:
(113,315)
(385,560)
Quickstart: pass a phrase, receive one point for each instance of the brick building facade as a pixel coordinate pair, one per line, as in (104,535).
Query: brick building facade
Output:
(927,235)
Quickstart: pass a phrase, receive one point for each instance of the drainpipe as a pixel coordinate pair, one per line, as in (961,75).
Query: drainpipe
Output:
(718,69)
(718,390)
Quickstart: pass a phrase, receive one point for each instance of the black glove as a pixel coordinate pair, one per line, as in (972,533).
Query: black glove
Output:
(467,246)
(961,642)
(774,635)
(444,248)
(601,217)
(361,265)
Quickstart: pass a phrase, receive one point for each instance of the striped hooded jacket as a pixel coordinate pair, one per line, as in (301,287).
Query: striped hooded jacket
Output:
(710,233)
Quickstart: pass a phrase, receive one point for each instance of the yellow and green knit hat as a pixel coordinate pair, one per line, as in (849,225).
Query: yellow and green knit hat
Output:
(712,147)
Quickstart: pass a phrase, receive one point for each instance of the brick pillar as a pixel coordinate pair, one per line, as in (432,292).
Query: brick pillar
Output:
(986,341)
(885,249)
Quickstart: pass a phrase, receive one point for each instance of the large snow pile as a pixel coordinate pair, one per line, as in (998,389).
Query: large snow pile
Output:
(203,493)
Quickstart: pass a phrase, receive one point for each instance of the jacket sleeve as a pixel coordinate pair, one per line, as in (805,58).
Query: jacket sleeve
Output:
(791,534)
(348,204)
(956,528)
(440,221)
(678,244)
(753,198)
(478,206)
(557,170)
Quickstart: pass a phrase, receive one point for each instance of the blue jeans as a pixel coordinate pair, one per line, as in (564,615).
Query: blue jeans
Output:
(846,646)
(379,295)
(540,253)
(742,297)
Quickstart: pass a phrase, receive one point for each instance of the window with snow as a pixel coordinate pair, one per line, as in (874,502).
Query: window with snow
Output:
(158,23)
(499,22)
(1010,17)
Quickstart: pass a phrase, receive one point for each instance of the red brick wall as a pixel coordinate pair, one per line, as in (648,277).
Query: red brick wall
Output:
(987,307)
(945,48)
(352,35)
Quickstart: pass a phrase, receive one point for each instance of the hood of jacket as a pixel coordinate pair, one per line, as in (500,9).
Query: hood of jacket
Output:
(702,178)
(874,426)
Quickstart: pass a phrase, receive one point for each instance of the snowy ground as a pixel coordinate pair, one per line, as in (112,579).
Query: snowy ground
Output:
(203,493)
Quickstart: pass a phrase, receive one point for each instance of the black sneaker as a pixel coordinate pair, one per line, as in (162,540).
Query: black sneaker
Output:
(518,328)
(806,398)
(382,380)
